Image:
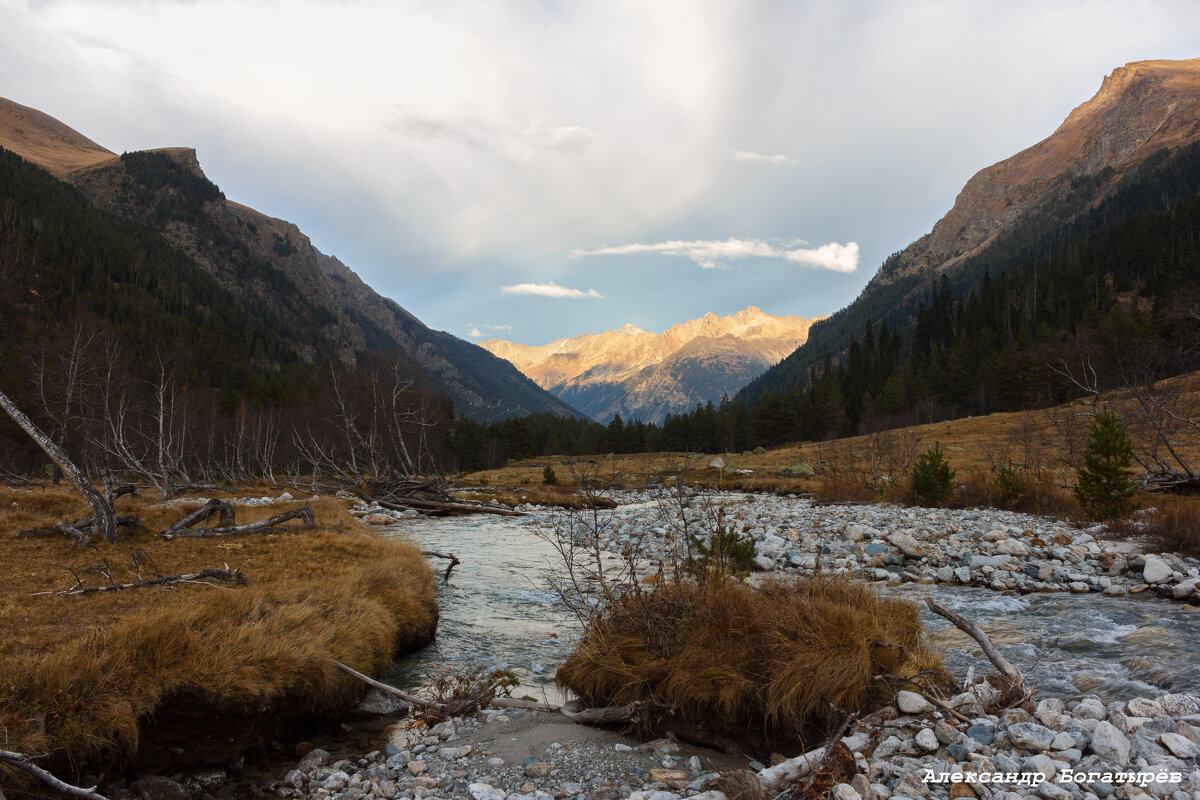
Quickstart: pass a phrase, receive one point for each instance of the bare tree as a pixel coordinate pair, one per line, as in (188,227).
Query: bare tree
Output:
(104,521)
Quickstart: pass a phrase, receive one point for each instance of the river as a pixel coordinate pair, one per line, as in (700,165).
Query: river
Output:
(496,611)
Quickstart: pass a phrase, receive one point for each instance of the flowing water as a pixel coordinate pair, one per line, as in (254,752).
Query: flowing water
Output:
(497,612)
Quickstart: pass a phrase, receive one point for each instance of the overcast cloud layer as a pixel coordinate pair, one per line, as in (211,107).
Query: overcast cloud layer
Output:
(491,165)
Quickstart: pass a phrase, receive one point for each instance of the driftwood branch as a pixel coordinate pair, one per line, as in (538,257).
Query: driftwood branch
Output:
(23,762)
(586,716)
(392,690)
(448,507)
(106,523)
(1002,664)
(202,514)
(454,562)
(305,515)
(223,575)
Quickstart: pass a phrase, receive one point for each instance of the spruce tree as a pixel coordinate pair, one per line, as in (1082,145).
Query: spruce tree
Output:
(1103,484)
(932,479)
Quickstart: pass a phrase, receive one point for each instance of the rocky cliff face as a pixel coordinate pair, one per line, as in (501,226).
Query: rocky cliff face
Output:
(646,376)
(325,308)
(1140,108)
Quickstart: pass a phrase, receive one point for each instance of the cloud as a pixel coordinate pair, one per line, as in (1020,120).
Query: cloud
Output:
(778,160)
(712,254)
(550,289)
(475,333)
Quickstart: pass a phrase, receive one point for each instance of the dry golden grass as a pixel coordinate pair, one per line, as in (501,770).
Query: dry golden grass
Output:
(1175,523)
(83,675)
(741,658)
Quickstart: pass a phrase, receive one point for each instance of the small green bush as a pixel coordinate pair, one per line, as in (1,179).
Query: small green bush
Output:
(725,552)
(932,478)
(1010,485)
(548,476)
(1103,484)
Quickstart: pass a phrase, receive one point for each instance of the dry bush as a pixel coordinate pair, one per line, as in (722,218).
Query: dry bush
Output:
(1175,523)
(878,462)
(977,490)
(767,662)
(85,676)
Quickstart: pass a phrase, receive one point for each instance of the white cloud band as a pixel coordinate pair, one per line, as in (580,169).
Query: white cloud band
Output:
(550,289)
(778,160)
(712,254)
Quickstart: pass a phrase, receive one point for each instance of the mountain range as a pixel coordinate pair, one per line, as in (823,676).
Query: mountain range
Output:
(1142,112)
(317,306)
(646,376)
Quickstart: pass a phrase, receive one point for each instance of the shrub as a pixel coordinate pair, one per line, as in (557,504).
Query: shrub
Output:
(751,661)
(1010,485)
(725,552)
(548,476)
(1103,483)
(932,479)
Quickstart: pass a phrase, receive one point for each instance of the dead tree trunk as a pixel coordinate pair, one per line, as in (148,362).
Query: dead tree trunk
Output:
(104,520)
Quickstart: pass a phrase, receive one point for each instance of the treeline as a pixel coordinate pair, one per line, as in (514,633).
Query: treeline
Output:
(1109,299)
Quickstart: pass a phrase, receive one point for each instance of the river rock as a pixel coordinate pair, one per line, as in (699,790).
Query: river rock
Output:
(1030,736)
(1012,547)
(913,703)
(1156,570)
(844,791)
(1143,707)
(908,545)
(1185,588)
(667,775)
(312,759)
(1180,746)
(483,791)
(538,769)
(927,739)
(1089,708)
(377,518)
(156,787)
(1110,743)
(1179,705)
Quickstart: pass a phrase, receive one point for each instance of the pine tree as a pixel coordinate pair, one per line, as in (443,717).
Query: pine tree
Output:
(932,479)
(1103,484)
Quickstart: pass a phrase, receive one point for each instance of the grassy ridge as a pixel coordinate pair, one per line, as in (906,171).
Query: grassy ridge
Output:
(85,677)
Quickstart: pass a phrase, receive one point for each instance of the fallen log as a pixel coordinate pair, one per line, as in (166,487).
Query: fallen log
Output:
(305,515)
(78,529)
(454,562)
(405,503)
(24,762)
(223,575)
(203,514)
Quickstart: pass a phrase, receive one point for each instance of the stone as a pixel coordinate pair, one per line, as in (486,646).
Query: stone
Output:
(483,791)
(844,791)
(209,779)
(336,781)
(661,795)
(1030,736)
(312,759)
(913,703)
(377,518)
(294,779)
(156,787)
(980,733)
(538,769)
(1089,708)
(1012,547)
(1179,745)
(1156,570)
(908,545)
(978,562)
(1063,741)
(377,702)
(419,767)
(1179,705)
(1143,707)
(1110,743)
(667,775)
(927,739)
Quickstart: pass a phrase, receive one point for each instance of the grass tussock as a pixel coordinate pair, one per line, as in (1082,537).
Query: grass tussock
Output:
(762,660)
(84,676)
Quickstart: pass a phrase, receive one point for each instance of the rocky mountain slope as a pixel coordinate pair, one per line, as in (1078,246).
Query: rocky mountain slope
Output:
(327,310)
(1141,110)
(641,375)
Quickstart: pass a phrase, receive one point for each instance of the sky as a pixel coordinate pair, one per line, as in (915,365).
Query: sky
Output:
(533,170)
